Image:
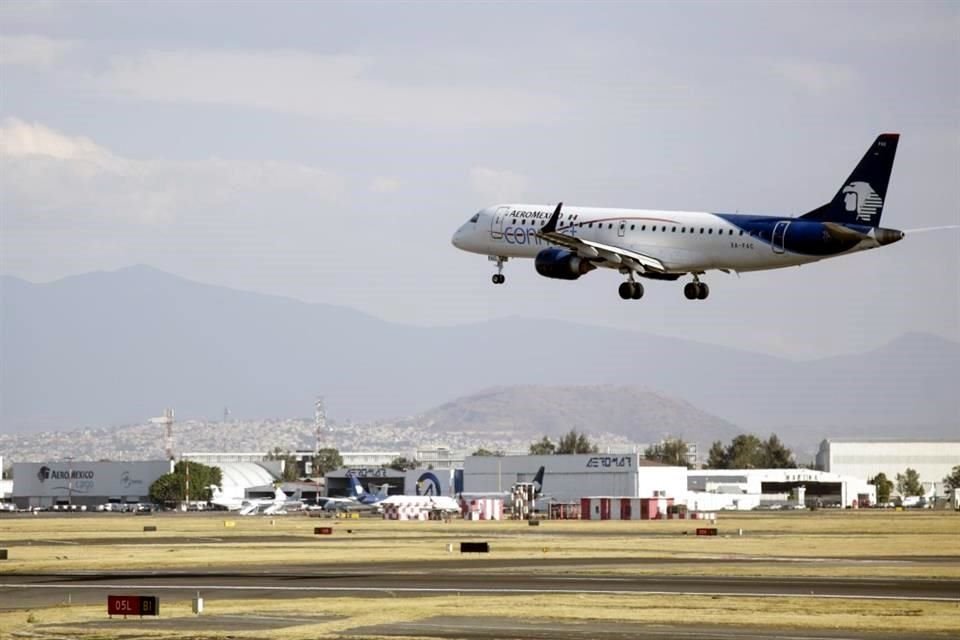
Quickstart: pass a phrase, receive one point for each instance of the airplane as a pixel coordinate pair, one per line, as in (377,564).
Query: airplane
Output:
(280,503)
(358,500)
(667,245)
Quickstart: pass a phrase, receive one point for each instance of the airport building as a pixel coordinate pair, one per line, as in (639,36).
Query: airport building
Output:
(931,459)
(45,484)
(745,489)
(568,478)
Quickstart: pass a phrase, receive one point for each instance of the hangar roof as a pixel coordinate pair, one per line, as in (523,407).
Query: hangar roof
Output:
(242,475)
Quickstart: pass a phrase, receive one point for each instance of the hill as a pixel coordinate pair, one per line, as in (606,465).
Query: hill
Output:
(638,415)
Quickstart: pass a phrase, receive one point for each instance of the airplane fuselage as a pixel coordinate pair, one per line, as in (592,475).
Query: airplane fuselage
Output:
(684,241)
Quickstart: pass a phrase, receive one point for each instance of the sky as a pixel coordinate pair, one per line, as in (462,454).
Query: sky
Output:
(327,152)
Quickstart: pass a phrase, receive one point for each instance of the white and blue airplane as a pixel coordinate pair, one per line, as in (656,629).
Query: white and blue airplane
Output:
(358,500)
(568,242)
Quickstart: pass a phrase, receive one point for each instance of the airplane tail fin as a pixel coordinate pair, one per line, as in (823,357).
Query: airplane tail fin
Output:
(383,491)
(279,495)
(356,489)
(860,198)
(538,480)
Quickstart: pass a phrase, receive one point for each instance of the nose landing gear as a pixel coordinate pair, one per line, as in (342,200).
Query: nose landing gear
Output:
(498,277)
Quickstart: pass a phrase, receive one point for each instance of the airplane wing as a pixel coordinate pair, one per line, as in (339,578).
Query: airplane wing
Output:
(597,251)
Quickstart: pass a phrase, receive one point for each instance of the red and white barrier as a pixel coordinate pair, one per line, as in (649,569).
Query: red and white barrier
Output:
(602,508)
(413,511)
(482,509)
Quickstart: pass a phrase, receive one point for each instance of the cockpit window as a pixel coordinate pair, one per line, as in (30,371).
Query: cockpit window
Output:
(475,217)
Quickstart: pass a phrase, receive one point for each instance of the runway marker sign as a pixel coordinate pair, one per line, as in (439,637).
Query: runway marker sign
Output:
(133,605)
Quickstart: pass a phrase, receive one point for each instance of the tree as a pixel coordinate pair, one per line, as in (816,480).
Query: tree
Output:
(747,451)
(884,487)
(543,447)
(325,461)
(172,487)
(402,463)
(952,481)
(291,470)
(908,483)
(486,452)
(672,451)
(775,455)
(717,457)
(575,442)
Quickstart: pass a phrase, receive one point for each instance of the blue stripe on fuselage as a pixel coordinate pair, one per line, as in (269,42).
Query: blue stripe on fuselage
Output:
(803,237)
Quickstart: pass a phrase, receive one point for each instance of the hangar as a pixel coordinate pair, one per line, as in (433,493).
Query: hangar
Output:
(45,484)
(421,482)
(865,458)
(568,478)
(744,489)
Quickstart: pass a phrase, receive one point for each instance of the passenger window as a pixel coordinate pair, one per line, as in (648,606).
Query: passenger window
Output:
(673,230)
(524,221)
(643,228)
(710,231)
(701,229)
(590,225)
(731,232)
(610,226)
(683,229)
(741,231)
(663,228)
(514,221)
(633,227)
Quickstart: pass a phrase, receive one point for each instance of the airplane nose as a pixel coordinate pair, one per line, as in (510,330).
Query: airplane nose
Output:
(457,239)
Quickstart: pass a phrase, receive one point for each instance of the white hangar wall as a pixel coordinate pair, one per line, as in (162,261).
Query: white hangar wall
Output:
(567,478)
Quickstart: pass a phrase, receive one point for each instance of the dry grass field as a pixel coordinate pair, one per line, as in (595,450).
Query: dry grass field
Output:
(870,544)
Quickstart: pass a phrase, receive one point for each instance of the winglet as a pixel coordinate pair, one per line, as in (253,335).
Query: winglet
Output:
(551,225)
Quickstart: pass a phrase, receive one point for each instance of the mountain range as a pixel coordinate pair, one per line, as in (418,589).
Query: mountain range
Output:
(117,347)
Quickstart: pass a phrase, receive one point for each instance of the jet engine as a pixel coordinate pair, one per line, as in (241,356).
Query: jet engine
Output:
(561,264)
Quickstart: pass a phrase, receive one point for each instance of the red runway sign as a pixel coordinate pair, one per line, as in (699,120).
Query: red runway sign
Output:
(133,605)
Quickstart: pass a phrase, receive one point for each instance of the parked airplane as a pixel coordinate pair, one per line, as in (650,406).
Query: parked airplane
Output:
(280,503)
(667,245)
(358,500)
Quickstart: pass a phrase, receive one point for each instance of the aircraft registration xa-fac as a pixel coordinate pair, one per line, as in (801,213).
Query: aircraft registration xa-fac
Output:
(568,242)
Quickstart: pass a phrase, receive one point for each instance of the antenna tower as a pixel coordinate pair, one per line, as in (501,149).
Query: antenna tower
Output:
(167,420)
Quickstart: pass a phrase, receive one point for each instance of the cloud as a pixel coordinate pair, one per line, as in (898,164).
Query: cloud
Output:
(344,88)
(498,185)
(48,175)
(816,78)
(385,184)
(32,51)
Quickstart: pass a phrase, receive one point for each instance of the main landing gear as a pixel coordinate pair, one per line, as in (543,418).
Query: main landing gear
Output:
(696,290)
(630,290)
(498,277)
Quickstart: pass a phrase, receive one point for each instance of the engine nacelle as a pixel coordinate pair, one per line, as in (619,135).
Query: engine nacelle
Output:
(561,264)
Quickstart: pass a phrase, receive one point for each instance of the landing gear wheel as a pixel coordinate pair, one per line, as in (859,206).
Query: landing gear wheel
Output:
(691,290)
(498,278)
(702,291)
(637,290)
(626,290)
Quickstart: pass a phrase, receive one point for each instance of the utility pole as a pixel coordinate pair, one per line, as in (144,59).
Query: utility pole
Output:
(69,482)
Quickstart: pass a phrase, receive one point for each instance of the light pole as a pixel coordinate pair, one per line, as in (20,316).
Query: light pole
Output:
(69,482)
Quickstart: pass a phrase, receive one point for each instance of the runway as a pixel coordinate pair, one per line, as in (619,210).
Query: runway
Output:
(23,590)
